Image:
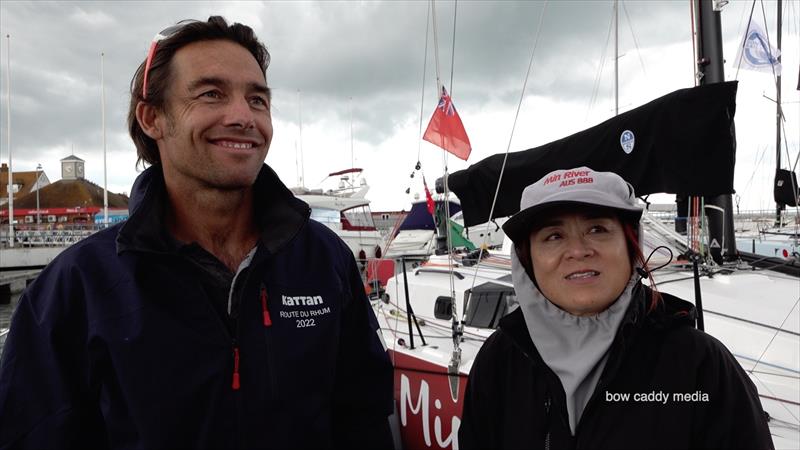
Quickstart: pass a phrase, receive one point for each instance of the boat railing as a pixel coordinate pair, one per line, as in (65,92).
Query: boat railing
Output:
(48,236)
(3,336)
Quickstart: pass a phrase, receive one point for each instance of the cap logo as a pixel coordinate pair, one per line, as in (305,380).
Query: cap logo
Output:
(627,140)
(570,178)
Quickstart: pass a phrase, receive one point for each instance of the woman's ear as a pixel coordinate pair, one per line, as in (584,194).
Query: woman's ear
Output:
(146,115)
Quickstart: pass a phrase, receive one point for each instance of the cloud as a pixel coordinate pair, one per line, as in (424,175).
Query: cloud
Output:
(374,54)
(94,19)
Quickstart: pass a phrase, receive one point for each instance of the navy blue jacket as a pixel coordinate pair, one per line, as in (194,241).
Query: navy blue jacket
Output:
(115,345)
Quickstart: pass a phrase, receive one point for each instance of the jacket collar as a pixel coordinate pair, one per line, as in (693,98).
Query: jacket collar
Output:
(672,312)
(279,215)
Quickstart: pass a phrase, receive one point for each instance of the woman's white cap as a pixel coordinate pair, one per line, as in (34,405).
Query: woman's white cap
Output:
(578,187)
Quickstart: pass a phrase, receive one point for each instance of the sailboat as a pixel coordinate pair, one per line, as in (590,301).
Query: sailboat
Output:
(416,235)
(762,331)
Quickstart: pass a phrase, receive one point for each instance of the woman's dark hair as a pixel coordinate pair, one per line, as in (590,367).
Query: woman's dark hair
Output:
(160,75)
(637,258)
(630,230)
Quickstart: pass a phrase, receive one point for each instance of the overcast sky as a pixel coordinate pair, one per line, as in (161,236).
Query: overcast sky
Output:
(359,65)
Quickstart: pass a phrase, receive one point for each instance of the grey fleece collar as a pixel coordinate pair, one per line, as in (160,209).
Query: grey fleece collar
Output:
(575,348)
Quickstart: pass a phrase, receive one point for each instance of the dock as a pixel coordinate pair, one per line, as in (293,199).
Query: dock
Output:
(13,282)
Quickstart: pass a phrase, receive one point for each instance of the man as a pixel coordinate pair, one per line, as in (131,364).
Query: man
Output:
(218,315)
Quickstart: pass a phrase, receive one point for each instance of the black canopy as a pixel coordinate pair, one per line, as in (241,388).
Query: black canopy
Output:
(682,143)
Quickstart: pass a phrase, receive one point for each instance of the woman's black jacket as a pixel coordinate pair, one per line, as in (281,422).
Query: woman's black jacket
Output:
(665,385)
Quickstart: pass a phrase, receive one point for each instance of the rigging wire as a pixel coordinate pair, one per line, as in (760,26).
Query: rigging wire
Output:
(794,188)
(424,72)
(596,86)
(436,48)
(755,169)
(429,322)
(694,42)
(633,34)
(774,335)
(511,137)
(792,166)
(775,77)
(456,350)
(456,358)
(744,41)
(769,47)
(739,27)
(453,50)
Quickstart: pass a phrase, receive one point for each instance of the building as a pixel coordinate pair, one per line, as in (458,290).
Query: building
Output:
(24,183)
(71,200)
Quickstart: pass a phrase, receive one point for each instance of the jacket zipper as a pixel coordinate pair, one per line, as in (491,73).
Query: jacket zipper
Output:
(618,346)
(548,403)
(235,380)
(547,422)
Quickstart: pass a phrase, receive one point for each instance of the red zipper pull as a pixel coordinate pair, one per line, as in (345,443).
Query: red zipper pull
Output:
(267,320)
(235,384)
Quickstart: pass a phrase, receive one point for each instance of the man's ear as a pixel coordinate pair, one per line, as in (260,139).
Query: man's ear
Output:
(146,115)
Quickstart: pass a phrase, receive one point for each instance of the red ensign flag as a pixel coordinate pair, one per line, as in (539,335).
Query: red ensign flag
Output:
(429,198)
(446,130)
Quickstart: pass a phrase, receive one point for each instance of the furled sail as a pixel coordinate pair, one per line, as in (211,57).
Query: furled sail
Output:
(682,143)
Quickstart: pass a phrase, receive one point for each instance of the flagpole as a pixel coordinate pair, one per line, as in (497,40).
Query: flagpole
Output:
(105,165)
(8,140)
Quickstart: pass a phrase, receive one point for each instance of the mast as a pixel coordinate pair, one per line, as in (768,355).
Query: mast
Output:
(719,209)
(103,110)
(778,114)
(616,57)
(352,155)
(8,140)
(300,133)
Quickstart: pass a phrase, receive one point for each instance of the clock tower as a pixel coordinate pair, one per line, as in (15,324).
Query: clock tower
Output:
(72,168)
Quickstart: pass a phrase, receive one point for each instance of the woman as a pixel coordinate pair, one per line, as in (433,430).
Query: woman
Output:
(592,358)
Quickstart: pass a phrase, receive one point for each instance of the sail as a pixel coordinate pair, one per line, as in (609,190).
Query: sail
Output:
(682,143)
(420,219)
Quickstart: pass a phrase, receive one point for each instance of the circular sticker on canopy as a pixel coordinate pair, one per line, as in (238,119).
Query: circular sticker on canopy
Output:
(627,141)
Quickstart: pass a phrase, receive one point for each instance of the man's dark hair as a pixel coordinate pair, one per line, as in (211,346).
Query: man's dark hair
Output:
(160,74)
